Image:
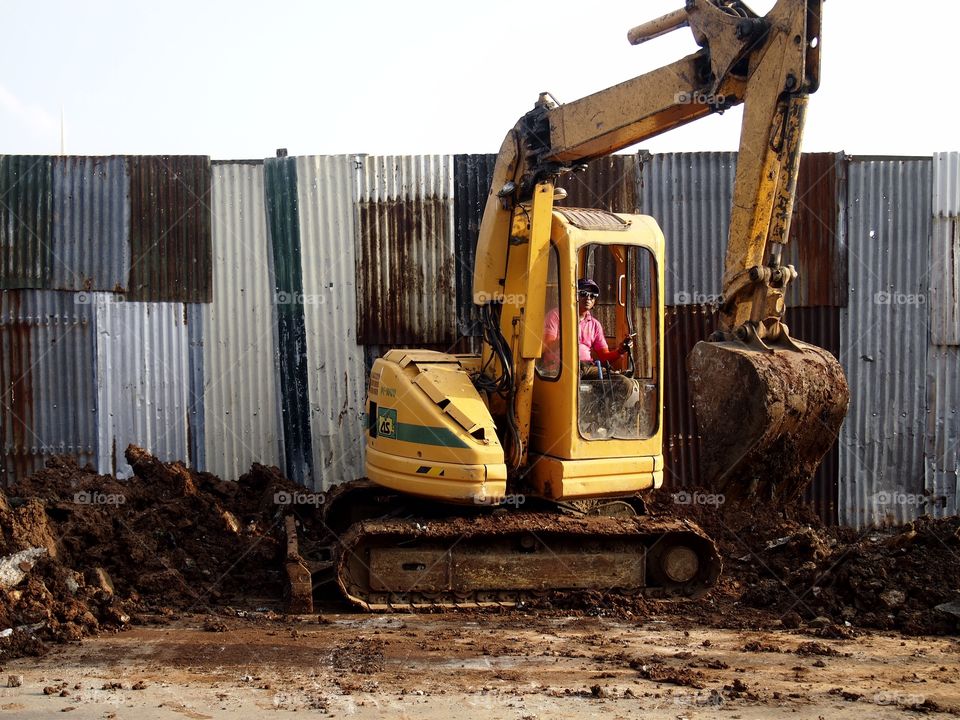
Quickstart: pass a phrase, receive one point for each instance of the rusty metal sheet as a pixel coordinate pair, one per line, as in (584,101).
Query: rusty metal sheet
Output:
(405,249)
(91,224)
(942,483)
(817,246)
(945,281)
(47,397)
(884,331)
(25,221)
(170,243)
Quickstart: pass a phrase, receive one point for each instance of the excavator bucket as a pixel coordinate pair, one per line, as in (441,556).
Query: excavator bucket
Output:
(766,418)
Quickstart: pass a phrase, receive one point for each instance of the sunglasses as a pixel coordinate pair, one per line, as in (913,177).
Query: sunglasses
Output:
(588,294)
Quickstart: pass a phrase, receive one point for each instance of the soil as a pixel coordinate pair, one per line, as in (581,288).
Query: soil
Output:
(172,542)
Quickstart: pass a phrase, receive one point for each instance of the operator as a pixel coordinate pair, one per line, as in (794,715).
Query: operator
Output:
(593,343)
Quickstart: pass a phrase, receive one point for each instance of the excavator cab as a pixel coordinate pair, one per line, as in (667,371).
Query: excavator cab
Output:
(596,427)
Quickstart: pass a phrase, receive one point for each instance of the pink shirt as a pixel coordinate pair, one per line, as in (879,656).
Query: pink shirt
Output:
(591,333)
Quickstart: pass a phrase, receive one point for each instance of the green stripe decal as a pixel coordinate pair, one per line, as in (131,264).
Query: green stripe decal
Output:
(429,435)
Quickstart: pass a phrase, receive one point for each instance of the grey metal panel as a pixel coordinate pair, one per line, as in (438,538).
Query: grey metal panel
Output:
(196,424)
(405,249)
(472,175)
(945,281)
(946,184)
(336,374)
(689,195)
(26,198)
(240,398)
(943,429)
(884,340)
(91,223)
(143,381)
(47,398)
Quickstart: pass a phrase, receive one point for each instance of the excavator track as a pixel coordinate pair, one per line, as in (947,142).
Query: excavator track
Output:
(507,558)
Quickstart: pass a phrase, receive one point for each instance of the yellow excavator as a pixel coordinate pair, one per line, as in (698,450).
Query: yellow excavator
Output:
(501,476)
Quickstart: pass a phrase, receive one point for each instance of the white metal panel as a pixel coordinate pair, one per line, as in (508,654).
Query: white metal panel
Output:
(143,380)
(946,184)
(240,405)
(337,380)
(883,337)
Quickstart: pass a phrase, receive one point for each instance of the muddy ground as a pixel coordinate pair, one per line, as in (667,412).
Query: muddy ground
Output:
(174,578)
(517,666)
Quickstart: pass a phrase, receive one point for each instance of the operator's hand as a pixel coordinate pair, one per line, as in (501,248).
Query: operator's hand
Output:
(626,345)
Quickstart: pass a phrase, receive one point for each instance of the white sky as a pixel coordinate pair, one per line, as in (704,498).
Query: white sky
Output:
(240,79)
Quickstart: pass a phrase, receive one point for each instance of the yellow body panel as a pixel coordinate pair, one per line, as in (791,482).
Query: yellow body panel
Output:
(429,432)
(570,479)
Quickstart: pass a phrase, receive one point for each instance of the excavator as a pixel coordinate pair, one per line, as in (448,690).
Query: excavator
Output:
(518,471)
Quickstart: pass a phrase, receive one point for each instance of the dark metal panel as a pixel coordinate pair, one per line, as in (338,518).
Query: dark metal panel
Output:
(472,175)
(91,223)
(685,325)
(817,245)
(407,272)
(25,221)
(196,419)
(170,235)
(283,227)
(608,183)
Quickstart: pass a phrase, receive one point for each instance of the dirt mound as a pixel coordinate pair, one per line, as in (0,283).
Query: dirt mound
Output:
(792,570)
(108,552)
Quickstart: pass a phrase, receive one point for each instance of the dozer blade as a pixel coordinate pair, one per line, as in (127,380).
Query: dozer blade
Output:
(766,419)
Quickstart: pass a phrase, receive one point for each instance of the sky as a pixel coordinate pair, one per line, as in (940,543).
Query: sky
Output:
(241,79)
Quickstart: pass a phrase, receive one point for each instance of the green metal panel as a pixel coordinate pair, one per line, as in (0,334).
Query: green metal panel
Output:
(283,225)
(26,235)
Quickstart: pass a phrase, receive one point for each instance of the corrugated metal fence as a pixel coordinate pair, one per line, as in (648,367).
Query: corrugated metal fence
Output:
(224,313)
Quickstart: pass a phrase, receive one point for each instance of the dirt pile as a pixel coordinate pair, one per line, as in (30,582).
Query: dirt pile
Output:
(87,553)
(794,570)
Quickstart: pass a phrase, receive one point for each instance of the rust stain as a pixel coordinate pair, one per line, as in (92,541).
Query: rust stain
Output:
(16,392)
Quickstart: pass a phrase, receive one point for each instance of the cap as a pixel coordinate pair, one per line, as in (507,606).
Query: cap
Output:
(588,285)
